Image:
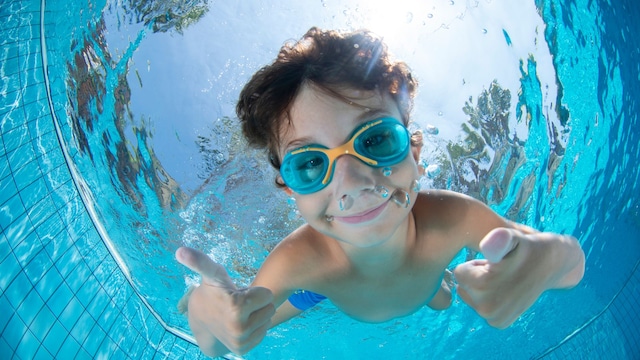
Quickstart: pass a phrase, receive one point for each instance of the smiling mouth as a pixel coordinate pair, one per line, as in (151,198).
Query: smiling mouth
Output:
(363,216)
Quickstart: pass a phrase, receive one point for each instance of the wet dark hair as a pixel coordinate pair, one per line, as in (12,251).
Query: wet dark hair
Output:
(330,61)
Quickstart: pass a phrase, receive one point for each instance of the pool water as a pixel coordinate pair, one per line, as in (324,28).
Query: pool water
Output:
(119,145)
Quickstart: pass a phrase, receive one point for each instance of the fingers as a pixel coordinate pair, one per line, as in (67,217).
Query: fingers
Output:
(252,341)
(221,316)
(497,244)
(259,321)
(471,273)
(250,318)
(252,300)
(212,273)
(490,308)
(183,303)
(495,287)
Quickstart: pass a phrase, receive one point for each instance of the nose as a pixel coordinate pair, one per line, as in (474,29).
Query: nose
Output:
(351,177)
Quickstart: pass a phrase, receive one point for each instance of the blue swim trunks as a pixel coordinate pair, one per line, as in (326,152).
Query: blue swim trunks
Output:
(303,299)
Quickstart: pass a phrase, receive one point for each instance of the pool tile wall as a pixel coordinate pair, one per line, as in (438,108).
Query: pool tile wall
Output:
(614,333)
(62,294)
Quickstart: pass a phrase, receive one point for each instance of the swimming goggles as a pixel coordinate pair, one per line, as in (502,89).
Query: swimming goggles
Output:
(378,143)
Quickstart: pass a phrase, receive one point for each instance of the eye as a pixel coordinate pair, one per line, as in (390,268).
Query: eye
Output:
(309,163)
(309,168)
(380,142)
(376,138)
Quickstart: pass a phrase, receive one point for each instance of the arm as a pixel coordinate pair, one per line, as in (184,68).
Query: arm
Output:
(222,317)
(285,312)
(564,252)
(442,299)
(520,264)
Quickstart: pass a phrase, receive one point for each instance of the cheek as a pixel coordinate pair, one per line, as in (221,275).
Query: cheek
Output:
(310,206)
(407,170)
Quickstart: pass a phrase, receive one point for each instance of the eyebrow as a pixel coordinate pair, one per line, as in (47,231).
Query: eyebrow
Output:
(371,113)
(295,144)
(367,114)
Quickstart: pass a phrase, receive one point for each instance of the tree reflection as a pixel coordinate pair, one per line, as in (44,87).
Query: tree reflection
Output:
(87,93)
(95,79)
(227,211)
(165,15)
(483,162)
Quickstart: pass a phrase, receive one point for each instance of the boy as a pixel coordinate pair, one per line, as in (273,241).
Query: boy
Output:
(332,112)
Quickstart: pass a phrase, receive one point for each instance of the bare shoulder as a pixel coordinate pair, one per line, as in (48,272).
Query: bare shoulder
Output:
(303,246)
(294,262)
(444,208)
(459,218)
(447,196)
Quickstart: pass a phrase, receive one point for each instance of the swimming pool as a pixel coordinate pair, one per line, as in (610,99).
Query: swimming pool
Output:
(141,100)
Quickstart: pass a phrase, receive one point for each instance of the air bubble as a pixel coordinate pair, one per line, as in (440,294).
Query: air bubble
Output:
(409,17)
(432,130)
(433,171)
(382,191)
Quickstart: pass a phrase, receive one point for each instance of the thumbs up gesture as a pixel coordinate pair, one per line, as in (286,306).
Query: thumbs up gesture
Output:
(517,269)
(222,317)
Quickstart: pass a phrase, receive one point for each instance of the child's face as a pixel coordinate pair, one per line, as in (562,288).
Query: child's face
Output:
(369,218)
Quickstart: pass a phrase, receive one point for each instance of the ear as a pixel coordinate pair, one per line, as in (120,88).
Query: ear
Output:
(415,152)
(280,183)
(416,145)
(416,149)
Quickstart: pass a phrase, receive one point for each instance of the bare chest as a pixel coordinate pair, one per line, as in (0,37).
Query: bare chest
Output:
(378,299)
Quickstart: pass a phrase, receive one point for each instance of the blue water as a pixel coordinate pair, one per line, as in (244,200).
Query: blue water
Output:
(119,145)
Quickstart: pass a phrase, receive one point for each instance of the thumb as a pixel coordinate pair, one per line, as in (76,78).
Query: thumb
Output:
(497,244)
(211,272)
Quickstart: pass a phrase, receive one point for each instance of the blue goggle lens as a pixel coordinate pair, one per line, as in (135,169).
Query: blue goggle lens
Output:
(378,143)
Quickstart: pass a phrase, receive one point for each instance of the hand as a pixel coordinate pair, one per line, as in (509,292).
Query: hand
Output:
(222,317)
(516,270)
